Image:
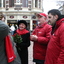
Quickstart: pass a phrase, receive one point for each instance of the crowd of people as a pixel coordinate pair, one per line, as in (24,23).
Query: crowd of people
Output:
(47,38)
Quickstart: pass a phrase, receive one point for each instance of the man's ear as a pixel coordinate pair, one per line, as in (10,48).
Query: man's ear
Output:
(56,17)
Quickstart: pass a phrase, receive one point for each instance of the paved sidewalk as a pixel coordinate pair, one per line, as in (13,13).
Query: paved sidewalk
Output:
(30,54)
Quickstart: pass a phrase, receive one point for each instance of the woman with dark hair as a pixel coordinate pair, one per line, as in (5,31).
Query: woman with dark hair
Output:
(23,43)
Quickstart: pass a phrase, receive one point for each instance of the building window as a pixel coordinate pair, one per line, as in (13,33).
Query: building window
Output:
(11,3)
(24,3)
(36,3)
(39,3)
(17,1)
(3,3)
(0,3)
(34,24)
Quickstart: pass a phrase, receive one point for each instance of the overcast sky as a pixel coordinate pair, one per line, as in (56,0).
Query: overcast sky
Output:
(49,4)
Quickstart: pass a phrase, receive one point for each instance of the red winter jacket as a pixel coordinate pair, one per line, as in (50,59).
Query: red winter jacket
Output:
(39,49)
(55,51)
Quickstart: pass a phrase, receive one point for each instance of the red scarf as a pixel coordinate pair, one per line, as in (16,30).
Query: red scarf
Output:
(21,32)
(9,49)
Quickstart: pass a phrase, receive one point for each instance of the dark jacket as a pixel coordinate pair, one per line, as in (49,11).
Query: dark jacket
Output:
(22,47)
(55,51)
(25,40)
(4,31)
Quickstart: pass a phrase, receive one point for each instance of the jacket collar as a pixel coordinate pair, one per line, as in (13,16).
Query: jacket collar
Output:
(58,23)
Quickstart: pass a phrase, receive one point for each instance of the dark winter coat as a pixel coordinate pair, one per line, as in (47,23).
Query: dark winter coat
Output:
(44,33)
(4,31)
(55,51)
(22,47)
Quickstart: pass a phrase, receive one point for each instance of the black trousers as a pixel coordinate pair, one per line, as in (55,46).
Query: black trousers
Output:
(23,56)
(40,63)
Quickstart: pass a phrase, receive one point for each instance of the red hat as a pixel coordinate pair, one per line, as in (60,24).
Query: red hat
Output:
(42,14)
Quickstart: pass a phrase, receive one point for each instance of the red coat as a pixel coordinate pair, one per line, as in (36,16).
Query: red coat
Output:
(55,51)
(39,49)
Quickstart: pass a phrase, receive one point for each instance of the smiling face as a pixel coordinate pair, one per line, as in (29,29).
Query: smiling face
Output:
(22,26)
(52,19)
(41,19)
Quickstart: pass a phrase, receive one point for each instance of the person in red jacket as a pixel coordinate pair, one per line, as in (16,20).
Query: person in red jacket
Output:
(40,36)
(55,50)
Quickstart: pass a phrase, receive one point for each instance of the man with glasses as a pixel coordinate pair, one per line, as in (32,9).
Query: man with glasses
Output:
(40,36)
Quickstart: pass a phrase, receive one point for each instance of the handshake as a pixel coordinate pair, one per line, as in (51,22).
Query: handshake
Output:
(33,37)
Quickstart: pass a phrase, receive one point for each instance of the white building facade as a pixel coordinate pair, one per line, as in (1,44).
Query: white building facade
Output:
(61,6)
(15,10)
